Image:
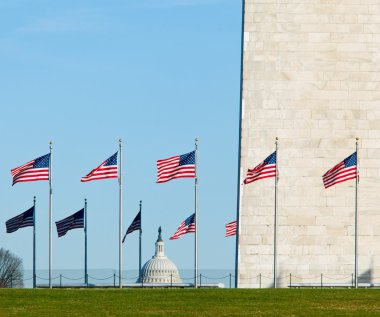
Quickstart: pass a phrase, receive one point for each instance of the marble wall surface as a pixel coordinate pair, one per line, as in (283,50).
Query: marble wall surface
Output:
(311,77)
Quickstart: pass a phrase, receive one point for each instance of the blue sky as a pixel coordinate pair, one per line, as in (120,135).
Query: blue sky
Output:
(156,73)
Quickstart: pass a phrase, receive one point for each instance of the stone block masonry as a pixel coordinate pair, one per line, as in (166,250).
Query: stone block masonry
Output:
(311,77)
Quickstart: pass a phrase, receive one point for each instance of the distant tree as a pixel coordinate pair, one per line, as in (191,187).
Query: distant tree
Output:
(11,270)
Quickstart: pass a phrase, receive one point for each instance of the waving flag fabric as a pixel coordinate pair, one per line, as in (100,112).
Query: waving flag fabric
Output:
(343,171)
(231,228)
(35,170)
(266,169)
(108,169)
(26,219)
(72,222)
(135,225)
(180,166)
(186,226)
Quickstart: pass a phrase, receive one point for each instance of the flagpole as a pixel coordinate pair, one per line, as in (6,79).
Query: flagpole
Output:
(85,243)
(120,215)
(356,213)
(196,217)
(50,216)
(34,242)
(275,223)
(140,235)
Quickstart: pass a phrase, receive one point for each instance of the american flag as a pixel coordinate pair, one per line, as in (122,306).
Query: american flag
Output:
(135,225)
(344,171)
(180,166)
(36,170)
(265,169)
(108,169)
(186,226)
(74,221)
(231,228)
(26,219)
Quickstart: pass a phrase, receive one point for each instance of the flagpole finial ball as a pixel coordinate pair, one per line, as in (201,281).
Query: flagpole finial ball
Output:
(357,139)
(120,140)
(276,138)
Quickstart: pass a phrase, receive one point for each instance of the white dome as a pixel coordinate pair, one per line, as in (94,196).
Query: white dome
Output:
(159,269)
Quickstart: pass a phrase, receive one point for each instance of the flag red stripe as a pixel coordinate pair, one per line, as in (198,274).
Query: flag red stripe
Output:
(340,176)
(337,172)
(98,178)
(173,158)
(166,167)
(176,169)
(336,167)
(179,173)
(340,181)
(248,181)
(32,173)
(175,177)
(231,228)
(27,176)
(31,179)
(341,171)
(22,167)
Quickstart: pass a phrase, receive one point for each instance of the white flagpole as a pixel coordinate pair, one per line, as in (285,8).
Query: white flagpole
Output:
(356,213)
(85,243)
(275,224)
(34,243)
(196,217)
(120,215)
(140,237)
(50,215)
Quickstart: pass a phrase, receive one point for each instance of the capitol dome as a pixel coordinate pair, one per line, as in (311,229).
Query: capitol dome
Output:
(159,269)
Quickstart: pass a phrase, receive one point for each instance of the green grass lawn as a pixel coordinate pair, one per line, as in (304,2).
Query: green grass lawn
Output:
(188,302)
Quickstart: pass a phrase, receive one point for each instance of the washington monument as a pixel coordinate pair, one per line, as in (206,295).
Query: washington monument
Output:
(311,77)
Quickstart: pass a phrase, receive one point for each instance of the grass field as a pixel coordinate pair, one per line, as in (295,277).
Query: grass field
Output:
(189,302)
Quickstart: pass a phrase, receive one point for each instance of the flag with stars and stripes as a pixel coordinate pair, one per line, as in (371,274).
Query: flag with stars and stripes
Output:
(343,171)
(266,169)
(187,226)
(108,169)
(35,170)
(231,228)
(180,166)
(135,225)
(26,219)
(74,221)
